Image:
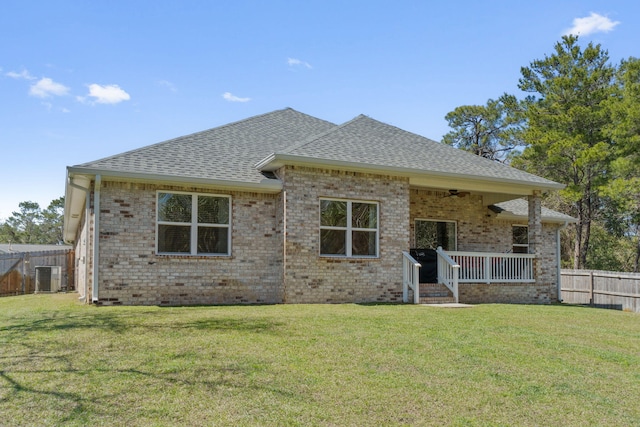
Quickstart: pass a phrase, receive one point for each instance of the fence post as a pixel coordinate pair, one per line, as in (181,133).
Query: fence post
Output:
(591,300)
(23,273)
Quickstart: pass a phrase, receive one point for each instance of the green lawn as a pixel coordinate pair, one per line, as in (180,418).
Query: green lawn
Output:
(64,363)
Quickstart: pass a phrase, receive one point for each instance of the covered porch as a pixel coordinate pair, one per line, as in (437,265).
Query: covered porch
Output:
(487,244)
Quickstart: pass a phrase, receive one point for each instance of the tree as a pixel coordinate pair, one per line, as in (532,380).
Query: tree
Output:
(52,221)
(31,225)
(25,223)
(623,193)
(567,115)
(490,131)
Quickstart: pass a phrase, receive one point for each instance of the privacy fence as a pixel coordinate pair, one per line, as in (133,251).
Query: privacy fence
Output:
(28,272)
(606,289)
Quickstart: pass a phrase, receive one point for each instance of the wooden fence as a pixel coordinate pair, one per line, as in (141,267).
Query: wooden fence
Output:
(18,270)
(606,289)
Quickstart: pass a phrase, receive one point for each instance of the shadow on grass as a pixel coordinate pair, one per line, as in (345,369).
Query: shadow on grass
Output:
(78,403)
(40,340)
(121,322)
(372,304)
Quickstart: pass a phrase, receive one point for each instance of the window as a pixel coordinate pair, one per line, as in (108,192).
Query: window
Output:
(431,234)
(520,239)
(348,228)
(193,224)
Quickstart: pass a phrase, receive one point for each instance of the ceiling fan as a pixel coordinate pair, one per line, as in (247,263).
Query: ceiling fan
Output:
(455,193)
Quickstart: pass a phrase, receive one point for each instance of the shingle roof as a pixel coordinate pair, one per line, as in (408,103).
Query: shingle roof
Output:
(227,152)
(520,208)
(366,141)
(231,152)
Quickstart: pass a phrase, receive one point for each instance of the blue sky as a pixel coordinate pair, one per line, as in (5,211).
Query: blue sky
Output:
(82,80)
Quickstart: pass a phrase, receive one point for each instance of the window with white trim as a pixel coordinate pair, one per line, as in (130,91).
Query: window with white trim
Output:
(348,228)
(520,239)
(193,224)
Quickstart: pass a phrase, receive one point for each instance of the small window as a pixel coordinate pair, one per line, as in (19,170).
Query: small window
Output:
(520,239)
(431,234)
(348,228)
(193,224)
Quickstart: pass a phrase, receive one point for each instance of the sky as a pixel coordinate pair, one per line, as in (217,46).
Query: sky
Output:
(83,80)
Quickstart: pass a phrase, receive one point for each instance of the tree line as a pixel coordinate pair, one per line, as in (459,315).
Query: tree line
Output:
(34,225)
(578,124)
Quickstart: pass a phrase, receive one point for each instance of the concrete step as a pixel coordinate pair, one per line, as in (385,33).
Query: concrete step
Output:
(435,293)
(438,300)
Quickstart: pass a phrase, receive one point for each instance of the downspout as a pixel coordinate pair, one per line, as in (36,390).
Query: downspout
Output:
(284,246)
(96,236)
(87,209)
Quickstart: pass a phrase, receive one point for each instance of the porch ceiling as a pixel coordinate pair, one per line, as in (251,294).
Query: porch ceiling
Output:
(491,191)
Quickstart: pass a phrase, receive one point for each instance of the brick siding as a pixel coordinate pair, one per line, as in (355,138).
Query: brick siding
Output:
(275,245)
(311,278)
(131,272)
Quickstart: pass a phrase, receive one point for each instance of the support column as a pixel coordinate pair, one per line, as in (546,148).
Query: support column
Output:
(535,233)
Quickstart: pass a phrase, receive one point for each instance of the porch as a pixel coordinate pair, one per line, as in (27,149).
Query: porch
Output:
(458,267)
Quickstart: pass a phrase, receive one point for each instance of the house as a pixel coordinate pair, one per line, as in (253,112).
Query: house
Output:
(288,208)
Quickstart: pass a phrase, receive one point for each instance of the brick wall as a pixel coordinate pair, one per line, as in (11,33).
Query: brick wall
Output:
(130,272)
(310,278)
(270,232)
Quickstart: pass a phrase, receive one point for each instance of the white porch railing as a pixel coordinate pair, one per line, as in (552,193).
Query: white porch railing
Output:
(448,272)
(456,267)
(488,267)
(410,277)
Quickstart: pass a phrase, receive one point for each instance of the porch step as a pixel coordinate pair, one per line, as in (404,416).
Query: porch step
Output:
(435,293)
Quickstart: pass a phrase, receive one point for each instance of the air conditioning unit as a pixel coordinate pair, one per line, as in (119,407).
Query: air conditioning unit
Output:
(48,278)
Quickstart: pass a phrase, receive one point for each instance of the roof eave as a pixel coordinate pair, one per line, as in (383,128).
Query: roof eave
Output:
(277,160)
(74,202)
(264,186)
(547,219)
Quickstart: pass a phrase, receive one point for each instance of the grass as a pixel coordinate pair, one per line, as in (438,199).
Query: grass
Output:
(64,363)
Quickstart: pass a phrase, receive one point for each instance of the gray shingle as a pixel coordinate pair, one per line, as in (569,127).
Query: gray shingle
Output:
(368,141)
(228,152)
(520,208)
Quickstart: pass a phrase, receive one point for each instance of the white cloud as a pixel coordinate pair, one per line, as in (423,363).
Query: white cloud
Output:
(168,85)
(109,94)
(232,98)
(593,23)
(293,62)
(24,74)
(45,87)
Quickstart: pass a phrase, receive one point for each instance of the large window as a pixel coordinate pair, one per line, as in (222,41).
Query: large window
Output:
(348,228)
(193,224)
(520,239)
(431,234)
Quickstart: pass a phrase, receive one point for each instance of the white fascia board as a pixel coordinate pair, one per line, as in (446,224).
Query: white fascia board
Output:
(264,186)
(509,216)
(74,203)
(418,177)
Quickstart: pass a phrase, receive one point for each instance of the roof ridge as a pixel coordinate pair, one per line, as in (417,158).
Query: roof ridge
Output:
(312,138)
(167,141)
